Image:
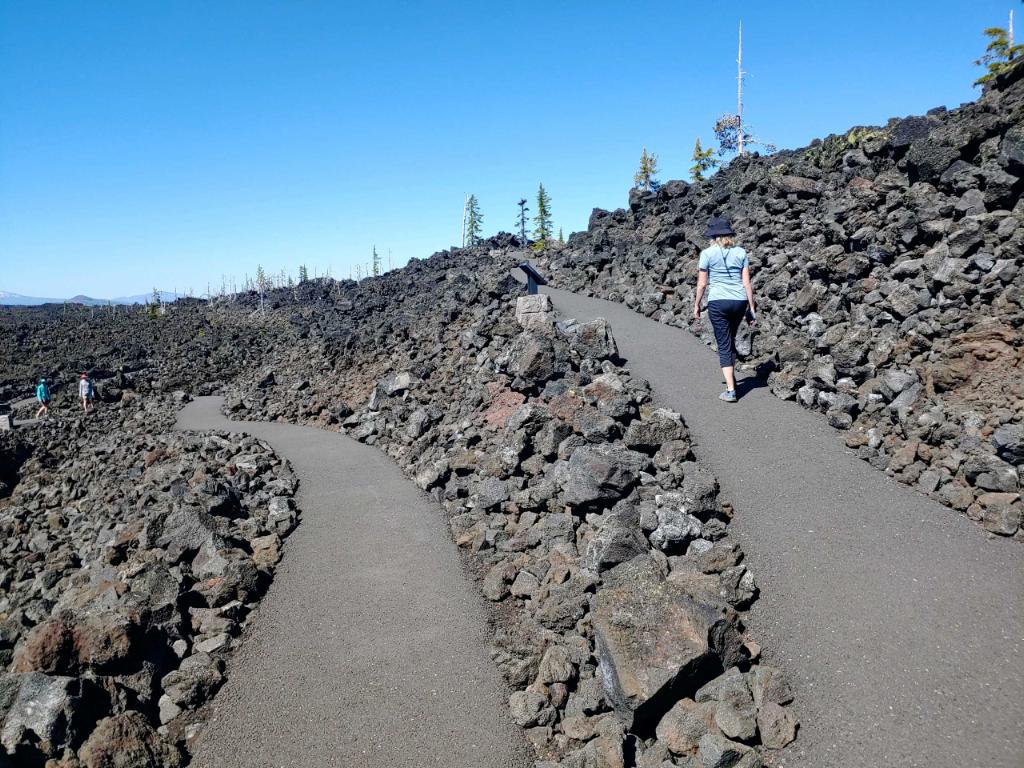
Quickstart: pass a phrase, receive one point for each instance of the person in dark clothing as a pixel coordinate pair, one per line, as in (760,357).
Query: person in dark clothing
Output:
(724,273)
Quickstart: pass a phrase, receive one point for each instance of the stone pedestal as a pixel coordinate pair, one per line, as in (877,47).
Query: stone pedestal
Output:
(534,312)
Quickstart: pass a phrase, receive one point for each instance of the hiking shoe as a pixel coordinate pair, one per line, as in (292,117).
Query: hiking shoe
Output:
(729,396)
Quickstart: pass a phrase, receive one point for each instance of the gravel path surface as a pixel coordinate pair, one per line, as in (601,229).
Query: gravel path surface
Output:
(901,621)
(368,649)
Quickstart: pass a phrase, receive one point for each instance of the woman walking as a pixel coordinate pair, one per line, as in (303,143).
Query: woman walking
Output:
(723,266)
(43,396)
(86,393)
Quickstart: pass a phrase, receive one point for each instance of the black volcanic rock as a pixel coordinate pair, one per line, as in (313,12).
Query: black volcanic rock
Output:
(107,542)
(883,250)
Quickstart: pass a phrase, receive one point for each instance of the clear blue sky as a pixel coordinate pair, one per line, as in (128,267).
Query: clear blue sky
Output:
(165,144)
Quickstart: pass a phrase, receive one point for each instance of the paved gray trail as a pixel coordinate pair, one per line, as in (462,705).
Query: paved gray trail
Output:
(902,621)
(21,404)
(368,649)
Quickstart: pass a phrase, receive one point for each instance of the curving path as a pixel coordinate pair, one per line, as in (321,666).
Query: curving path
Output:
(902,620)
(368,648)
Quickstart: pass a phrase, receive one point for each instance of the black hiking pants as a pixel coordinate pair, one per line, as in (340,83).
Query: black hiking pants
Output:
(726,316)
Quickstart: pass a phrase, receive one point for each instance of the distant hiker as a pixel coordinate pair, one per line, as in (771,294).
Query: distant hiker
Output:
(85,391)
(43,396)
(724,266)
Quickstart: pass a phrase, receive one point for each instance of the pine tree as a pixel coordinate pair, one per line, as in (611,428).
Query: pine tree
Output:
(376,262)
(1001,54)
(561,237)
(474,221)
(523,208)
(644,177)
(542,221)
(303,273)
(703,161)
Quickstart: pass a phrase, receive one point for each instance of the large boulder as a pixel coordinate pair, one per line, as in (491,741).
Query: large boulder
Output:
(676,526)
(592,339)
(48,647)
(66,644)
(776,725)
(530,358)
(928,159)
(683,726)
(127,741)
(225,575)
(1008,441)
(185,531)
(105,641)
(1011,150)
(700,491)
(616,541)
(601,474)
(46,715)
(991,473)
(489,493)
(648,434)
(735,711)
(652,637)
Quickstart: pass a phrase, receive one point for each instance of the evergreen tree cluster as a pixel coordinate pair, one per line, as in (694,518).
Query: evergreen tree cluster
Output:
(543,226)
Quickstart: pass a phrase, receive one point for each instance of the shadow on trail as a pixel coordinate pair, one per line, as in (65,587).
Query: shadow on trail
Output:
(756,380)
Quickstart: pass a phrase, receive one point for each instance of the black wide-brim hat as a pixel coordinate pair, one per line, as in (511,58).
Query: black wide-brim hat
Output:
(719,228)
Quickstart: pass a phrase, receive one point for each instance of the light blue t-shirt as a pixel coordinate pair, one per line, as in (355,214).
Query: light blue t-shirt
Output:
(725,272)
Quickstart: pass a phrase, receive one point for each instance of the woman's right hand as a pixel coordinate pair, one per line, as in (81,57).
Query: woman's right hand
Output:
(696,311)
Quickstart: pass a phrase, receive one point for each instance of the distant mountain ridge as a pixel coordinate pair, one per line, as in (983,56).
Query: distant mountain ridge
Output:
(9,299)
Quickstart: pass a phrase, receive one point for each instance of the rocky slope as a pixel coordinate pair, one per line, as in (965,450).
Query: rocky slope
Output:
(887,265)
(887,261)
(130,557)
(602,543)
(191,344)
